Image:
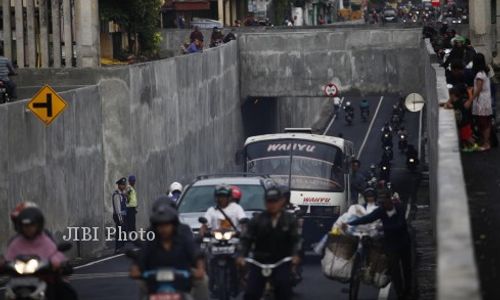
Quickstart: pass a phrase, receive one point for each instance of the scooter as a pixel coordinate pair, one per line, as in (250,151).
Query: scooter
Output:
(32,277)
(412,162)
(386,139)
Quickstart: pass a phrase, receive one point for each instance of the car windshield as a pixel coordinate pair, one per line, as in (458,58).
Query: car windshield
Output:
(310,166)
(200,198)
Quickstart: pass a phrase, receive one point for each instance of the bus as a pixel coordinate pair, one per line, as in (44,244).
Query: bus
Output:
(315,167)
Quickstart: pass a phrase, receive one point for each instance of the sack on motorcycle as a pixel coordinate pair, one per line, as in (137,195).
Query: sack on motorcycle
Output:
(377,271)
(339,257)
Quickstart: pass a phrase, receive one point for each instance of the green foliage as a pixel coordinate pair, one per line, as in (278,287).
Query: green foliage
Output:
(139,17)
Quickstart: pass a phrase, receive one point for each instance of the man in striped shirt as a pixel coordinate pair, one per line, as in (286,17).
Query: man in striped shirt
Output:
(6,69)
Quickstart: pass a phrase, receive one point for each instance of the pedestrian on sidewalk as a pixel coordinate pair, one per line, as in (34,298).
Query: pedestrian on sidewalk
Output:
(482,103)
(119,202)
(131,203)
(196,34)
(462,104)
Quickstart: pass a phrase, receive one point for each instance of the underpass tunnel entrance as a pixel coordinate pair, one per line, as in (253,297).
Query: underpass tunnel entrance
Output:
(259,115)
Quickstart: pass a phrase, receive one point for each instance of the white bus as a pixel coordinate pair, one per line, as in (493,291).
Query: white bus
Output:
(315,167)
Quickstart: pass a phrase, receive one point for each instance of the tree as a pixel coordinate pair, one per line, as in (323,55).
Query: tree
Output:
(139,18)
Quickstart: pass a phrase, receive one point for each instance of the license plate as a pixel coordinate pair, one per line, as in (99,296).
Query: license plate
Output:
(223,250)
(165,275)
(167,296)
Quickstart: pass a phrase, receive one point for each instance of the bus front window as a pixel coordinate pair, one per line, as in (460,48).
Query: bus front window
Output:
(317,170)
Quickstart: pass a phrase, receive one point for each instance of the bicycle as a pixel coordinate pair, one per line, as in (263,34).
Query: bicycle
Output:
(359,264)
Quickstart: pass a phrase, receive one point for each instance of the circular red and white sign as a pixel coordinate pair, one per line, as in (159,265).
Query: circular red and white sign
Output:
(331,90)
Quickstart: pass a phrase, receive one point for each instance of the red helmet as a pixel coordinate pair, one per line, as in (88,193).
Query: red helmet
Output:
(236,193)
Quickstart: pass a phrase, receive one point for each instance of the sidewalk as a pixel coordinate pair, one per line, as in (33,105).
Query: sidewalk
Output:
(425,246)
(482,176)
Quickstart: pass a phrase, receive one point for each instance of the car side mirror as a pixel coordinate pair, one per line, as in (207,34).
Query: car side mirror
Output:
(64,246)
(203,220)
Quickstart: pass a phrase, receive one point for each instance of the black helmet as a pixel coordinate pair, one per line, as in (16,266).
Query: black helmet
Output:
(273,191)
(285,192)
(164,199)
(164,213)
(223,191)
(31,216)
(369,192)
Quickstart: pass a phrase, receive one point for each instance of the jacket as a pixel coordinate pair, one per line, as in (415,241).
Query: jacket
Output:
(270,244)
(396,234)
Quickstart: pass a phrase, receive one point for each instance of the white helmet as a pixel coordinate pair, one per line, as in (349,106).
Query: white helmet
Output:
(175,186)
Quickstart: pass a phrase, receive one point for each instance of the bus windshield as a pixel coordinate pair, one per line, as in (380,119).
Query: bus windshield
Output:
(305,165)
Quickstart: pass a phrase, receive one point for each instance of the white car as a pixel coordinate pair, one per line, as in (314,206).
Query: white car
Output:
(199,196)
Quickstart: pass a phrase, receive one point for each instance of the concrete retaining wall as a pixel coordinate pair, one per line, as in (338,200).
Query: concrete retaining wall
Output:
(162,121)
(313,113)
(300,63)
(457,275)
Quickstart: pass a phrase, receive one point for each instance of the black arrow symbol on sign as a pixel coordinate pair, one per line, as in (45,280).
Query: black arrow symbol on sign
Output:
(47,105)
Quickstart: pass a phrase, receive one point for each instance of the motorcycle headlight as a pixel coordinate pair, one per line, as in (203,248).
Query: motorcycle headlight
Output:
(384,168)
(19,266)
(218,235)
(228,235)
(31,266)
(411,160)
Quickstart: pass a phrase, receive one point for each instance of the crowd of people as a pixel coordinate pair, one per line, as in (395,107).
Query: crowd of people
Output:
(472,88)
(197,40)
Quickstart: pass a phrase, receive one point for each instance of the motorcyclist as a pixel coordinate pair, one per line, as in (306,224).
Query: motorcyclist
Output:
(348,109)
(33,240)
(402,131)
(370,195)
(170,249)
(225,215)
(175,191)
(271,236)
(17,210)
(337,102)
(236,194)
(387,128)
(364,106)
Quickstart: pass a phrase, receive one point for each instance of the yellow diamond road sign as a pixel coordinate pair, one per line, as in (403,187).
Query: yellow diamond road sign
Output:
(47,105)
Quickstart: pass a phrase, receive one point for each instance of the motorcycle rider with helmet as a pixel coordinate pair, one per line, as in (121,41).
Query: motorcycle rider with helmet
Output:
(225,214)
(236,194)
(364,106)
(169,249)
(271,236)
(175,191)
(32,240)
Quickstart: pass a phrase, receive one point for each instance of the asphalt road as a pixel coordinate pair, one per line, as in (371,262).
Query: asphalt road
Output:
(108,279)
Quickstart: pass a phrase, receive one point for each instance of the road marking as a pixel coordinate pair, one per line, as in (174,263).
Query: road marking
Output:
(98,275)
(420,133)
(370,127)
(98,261)
(334,117)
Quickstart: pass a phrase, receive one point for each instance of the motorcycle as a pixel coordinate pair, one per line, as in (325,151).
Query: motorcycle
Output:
(403,142)
(412,162)
(396,121)
(163,283)
(4,95)
(388,154)
(386,139)
(267,271)
(365,113)
(349,117)
(221,248)
(385,170)
(34,278)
